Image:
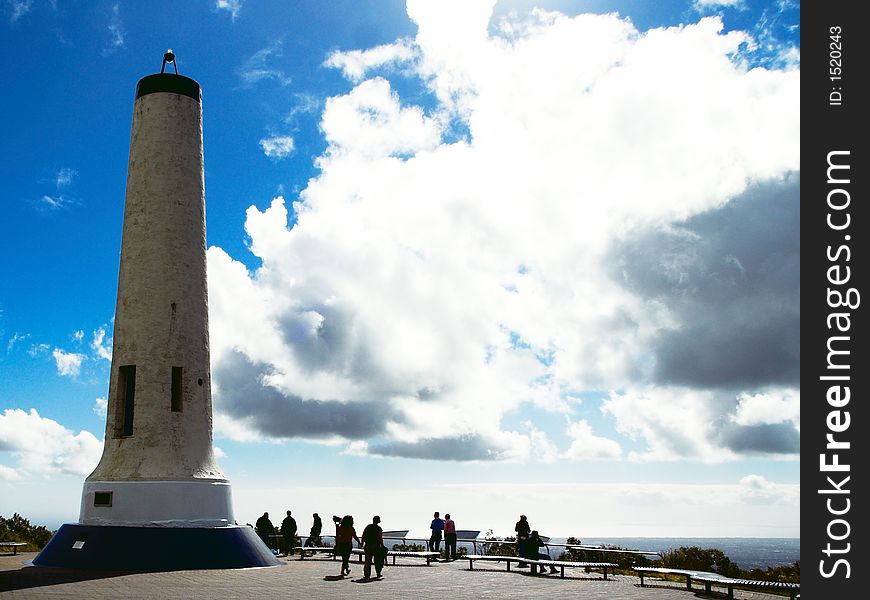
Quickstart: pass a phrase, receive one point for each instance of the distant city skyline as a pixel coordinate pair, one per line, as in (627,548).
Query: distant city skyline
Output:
(486,258)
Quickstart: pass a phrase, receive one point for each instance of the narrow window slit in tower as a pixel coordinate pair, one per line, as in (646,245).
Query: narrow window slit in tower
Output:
(175,404)
(126,396)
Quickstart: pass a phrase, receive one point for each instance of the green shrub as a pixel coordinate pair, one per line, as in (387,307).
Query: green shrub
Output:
(409,547)
(497,547)
(701,559)
(19,529)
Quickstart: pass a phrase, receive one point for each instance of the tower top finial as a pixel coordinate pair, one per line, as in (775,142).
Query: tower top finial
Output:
(169,57)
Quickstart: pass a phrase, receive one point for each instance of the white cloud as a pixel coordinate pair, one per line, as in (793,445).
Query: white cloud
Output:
(756,489)
(707,425)
(68,363)
(370,123)
(37,349)
(675,423)
(355,63)
(117,34)
(78,335)
(101,346)
(19,8)
(9,474)
(44,447)
(777,406)
(427,281)
(277,146)
(707,5)
(55,202)
(231,6)
(101,407)
(586,445)
(16,337)
(356,448)
(259,67)
(64,176)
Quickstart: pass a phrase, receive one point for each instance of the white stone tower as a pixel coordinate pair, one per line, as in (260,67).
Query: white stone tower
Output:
(157,483)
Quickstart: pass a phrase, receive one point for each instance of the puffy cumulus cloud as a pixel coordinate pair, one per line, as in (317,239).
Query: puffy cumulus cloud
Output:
(674,423)
(355,63)
(603,223)
(772,407)
(45,447)
(585,444)
(370,123)
(706,425)
(277,146)
(68,363)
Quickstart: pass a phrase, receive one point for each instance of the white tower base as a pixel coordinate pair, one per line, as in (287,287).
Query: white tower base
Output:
(157,503)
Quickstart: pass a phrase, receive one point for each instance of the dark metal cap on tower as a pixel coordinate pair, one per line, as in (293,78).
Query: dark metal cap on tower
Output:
(172,83)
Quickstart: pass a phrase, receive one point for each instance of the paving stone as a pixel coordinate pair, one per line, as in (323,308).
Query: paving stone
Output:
(319,578)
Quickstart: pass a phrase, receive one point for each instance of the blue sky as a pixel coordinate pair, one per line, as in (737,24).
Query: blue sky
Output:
(487,258)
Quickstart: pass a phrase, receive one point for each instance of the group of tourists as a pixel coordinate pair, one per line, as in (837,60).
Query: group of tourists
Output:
(528,543)
(448,528)
(289,531)
(372,541)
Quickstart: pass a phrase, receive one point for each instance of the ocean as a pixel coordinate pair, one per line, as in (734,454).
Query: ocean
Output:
(747,553)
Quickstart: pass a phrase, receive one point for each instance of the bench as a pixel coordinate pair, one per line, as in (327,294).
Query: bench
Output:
(792,588)
(314,550)
(494,558)
(429,556)
(561,564)
(13,545)
(687,573)
(710,579)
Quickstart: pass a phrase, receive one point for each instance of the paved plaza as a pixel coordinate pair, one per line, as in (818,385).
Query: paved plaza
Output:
(318,578)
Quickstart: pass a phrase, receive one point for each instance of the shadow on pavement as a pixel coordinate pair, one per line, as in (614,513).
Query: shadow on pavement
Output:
(31,577)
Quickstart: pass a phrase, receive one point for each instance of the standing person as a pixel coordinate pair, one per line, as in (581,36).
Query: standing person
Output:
(373,544)
(266,530)
(344,536)
(437,527)
(449,538)
(288,532)
(523,531)
(532,544)
(316,528)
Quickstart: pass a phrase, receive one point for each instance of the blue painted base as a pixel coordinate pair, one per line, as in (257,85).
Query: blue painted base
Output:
(142,549)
